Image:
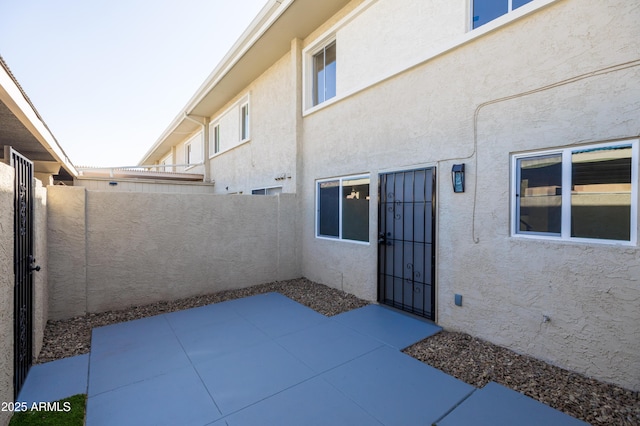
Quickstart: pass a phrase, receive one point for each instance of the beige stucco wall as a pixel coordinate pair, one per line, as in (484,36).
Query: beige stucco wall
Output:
(145,247)
(7,278)
(427,119)
(6,287)
(271,151)
(66,245)
(40,278)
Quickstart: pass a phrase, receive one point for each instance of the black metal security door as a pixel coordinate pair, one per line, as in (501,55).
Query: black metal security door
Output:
(23,268)
(406,256)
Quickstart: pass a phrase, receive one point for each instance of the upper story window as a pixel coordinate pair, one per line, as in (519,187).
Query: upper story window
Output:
(188,153)
(484,11)
(244,122)
(215,139)
(324,73)
(578,193)
(230,128)
(342,208)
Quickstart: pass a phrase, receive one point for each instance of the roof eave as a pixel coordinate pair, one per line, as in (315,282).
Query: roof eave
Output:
(265,41)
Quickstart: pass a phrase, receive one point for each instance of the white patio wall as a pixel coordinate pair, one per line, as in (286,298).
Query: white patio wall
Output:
(118,249)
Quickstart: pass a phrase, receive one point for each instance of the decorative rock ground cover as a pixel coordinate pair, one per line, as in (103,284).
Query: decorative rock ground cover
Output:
(471,360)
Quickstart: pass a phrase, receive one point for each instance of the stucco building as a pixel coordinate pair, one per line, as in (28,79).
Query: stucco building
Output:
(470,161)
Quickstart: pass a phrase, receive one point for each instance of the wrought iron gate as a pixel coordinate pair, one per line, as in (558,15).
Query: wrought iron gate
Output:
(23,268)
(406,254)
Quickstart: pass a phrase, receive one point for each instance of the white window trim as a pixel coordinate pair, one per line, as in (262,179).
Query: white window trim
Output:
(565,229)
(188,153)
(242,115)
(317,209)
(399,67)
(510,10)
(217,120)
(307,70)
(212,139)
(189,142)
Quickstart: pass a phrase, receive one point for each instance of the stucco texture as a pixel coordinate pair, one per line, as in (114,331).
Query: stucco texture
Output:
(6,287)
(143,247)
(271,151)
(40,278)
(66,245)
(576,88)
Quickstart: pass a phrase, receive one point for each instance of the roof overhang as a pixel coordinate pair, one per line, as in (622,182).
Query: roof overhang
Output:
(22,128)
(265,41)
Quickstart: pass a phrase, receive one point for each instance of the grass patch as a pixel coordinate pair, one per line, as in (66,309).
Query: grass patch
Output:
(66,412)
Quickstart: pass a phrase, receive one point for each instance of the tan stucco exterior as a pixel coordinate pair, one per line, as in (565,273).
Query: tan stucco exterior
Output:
(149,247)
(7,279)
(417,88)
(66,243)
(6,287)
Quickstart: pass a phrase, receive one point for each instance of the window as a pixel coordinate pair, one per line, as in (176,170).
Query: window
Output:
(244,122)
(578,193)
(484,11)
(215,139)
(324,74)
(342,209)
(274,190)
(188,154)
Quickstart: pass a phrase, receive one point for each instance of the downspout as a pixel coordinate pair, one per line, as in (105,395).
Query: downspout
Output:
(204,122)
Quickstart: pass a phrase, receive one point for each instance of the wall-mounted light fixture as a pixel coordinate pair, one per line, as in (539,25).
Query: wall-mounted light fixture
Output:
(457,177)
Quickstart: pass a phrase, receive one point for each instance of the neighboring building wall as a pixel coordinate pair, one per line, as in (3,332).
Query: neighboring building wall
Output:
(6,287)
(425,117)
(150,247)
(268,157)
(196,153)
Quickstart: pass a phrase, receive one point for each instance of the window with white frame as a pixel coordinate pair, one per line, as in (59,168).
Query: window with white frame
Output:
(578,193)
(324,73)
(342,208)
(244,122)
(215,139)
(188,153)
(483,11)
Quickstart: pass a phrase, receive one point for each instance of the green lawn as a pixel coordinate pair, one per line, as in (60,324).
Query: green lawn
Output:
(66,412)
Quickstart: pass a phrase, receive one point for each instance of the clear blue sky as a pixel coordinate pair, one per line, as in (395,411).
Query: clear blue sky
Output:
(108,76)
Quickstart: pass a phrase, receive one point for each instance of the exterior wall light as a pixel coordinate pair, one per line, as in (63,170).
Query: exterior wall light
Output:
(457,177)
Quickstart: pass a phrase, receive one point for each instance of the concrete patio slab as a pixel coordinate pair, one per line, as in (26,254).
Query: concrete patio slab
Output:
(327,345)
(397,389)
(203,343)
(275,314)
(175,398)
(311,403)
(268,360)
(389,326)
(245,377)
(55,380)
(496,405)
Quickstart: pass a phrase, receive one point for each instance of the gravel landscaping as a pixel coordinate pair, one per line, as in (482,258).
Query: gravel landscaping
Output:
(469,359)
